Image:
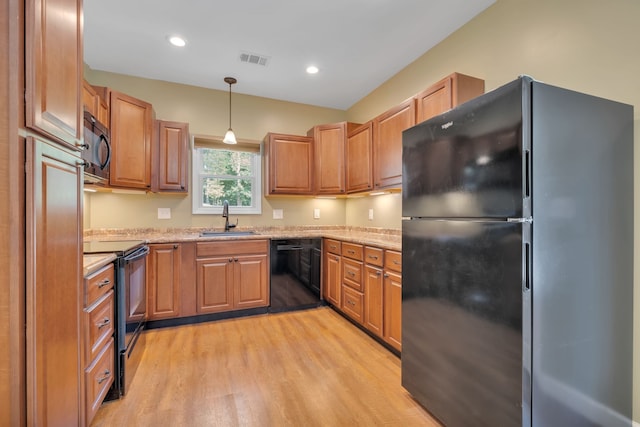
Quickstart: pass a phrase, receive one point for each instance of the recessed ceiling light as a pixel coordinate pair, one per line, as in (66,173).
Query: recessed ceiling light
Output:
(177,41)
(312,69)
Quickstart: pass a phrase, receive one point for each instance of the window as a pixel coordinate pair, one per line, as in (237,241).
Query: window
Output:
(226,172)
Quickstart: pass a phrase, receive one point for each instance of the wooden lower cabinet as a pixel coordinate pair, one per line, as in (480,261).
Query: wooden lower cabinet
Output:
(373,299)
(332,266)
(232,275)
(54,293)
(163,281)
(393,299)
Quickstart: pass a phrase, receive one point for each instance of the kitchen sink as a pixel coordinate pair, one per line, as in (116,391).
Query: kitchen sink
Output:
(227,233)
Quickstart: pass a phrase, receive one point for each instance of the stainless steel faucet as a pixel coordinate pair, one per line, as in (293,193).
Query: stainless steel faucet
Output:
(225,215)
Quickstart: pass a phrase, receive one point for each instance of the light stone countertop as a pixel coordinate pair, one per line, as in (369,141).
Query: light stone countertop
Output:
(94,262)
(379,237)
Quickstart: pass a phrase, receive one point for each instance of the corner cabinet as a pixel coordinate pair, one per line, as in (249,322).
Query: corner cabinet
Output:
(329,142)
(53,69)
(288,164)
(449,92)
(231,275)
(131,125)
(359,159)
(170,157)
(387,144)
(54,286)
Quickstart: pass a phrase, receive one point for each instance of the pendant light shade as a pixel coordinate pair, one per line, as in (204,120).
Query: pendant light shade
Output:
(230,137)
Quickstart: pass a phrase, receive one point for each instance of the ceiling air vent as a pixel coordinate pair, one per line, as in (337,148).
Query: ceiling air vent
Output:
(254,58)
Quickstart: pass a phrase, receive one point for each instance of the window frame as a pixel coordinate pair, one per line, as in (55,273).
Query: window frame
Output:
(198,176)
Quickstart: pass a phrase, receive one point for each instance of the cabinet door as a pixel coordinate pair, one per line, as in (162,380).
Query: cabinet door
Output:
(373,291)
(359,152)
(329,142)
(289,164)
(163,281)
(332,278)
(387,143)
(53,69)
(449,92)
(251,283)
(393,309)
(54,286)
(171,157)
(90,99)
(131,127)
(214,284)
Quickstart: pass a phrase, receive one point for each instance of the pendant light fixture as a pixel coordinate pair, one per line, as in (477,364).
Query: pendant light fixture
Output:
(230,137)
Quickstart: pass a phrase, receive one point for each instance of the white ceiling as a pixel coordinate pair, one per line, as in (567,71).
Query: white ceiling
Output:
(356,44)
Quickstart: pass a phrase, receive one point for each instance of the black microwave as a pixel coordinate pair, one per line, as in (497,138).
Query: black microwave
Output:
(97,151)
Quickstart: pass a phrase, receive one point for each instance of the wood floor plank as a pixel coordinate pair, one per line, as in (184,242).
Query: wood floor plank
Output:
(305,368)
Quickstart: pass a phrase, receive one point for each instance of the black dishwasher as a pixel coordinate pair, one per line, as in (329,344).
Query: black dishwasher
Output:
(295,274)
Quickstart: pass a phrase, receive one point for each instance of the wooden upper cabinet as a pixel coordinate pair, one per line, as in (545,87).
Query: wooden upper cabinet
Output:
(288,164)
(171,157)
(131,129)
(359,153)
(387,143)
(449,92)
(53,69)
(89,98)
(329,156)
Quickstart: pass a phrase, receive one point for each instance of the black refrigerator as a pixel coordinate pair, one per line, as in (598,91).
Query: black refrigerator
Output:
(517,244)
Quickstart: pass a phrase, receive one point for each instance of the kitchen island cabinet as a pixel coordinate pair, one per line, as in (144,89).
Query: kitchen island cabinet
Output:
(131,124)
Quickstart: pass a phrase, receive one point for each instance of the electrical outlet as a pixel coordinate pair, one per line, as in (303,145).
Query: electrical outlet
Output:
(370,214)
(164,213)
(316,213)
(278,214)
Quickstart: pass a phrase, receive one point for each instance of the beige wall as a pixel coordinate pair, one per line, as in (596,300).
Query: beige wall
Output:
(585,45)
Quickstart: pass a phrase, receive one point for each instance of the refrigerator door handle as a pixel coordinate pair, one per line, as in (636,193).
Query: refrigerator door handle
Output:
(521,220)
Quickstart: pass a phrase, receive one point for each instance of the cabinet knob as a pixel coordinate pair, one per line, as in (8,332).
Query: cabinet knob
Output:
(386,275)
(175,246)
(378,273)
(236,259)
(230,259)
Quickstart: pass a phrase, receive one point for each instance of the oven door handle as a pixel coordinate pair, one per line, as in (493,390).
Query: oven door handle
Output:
(140,253)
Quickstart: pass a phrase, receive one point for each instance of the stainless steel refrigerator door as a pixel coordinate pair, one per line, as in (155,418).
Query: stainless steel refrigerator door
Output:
(469,162)
(462,305)
(582,259)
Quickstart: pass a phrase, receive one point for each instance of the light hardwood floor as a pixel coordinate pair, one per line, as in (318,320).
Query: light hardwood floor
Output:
(305,368)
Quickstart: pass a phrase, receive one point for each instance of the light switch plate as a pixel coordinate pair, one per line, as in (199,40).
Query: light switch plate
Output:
(370,214)
(164,213)
(316,213)
(278,214)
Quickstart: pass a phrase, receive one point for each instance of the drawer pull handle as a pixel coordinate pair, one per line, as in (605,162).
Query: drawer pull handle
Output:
(351,273)
(373,256)
(333,247)
(396,262)
(351,251)
(104,283)
(104,323)
(105,376)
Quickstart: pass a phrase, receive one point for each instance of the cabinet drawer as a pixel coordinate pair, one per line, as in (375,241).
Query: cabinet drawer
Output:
(393,261)
(353,303)
(98,379)
(373,256)
(352,273)
(206,249)
(352,251)
(99,324)
(98,284)
(332,246)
